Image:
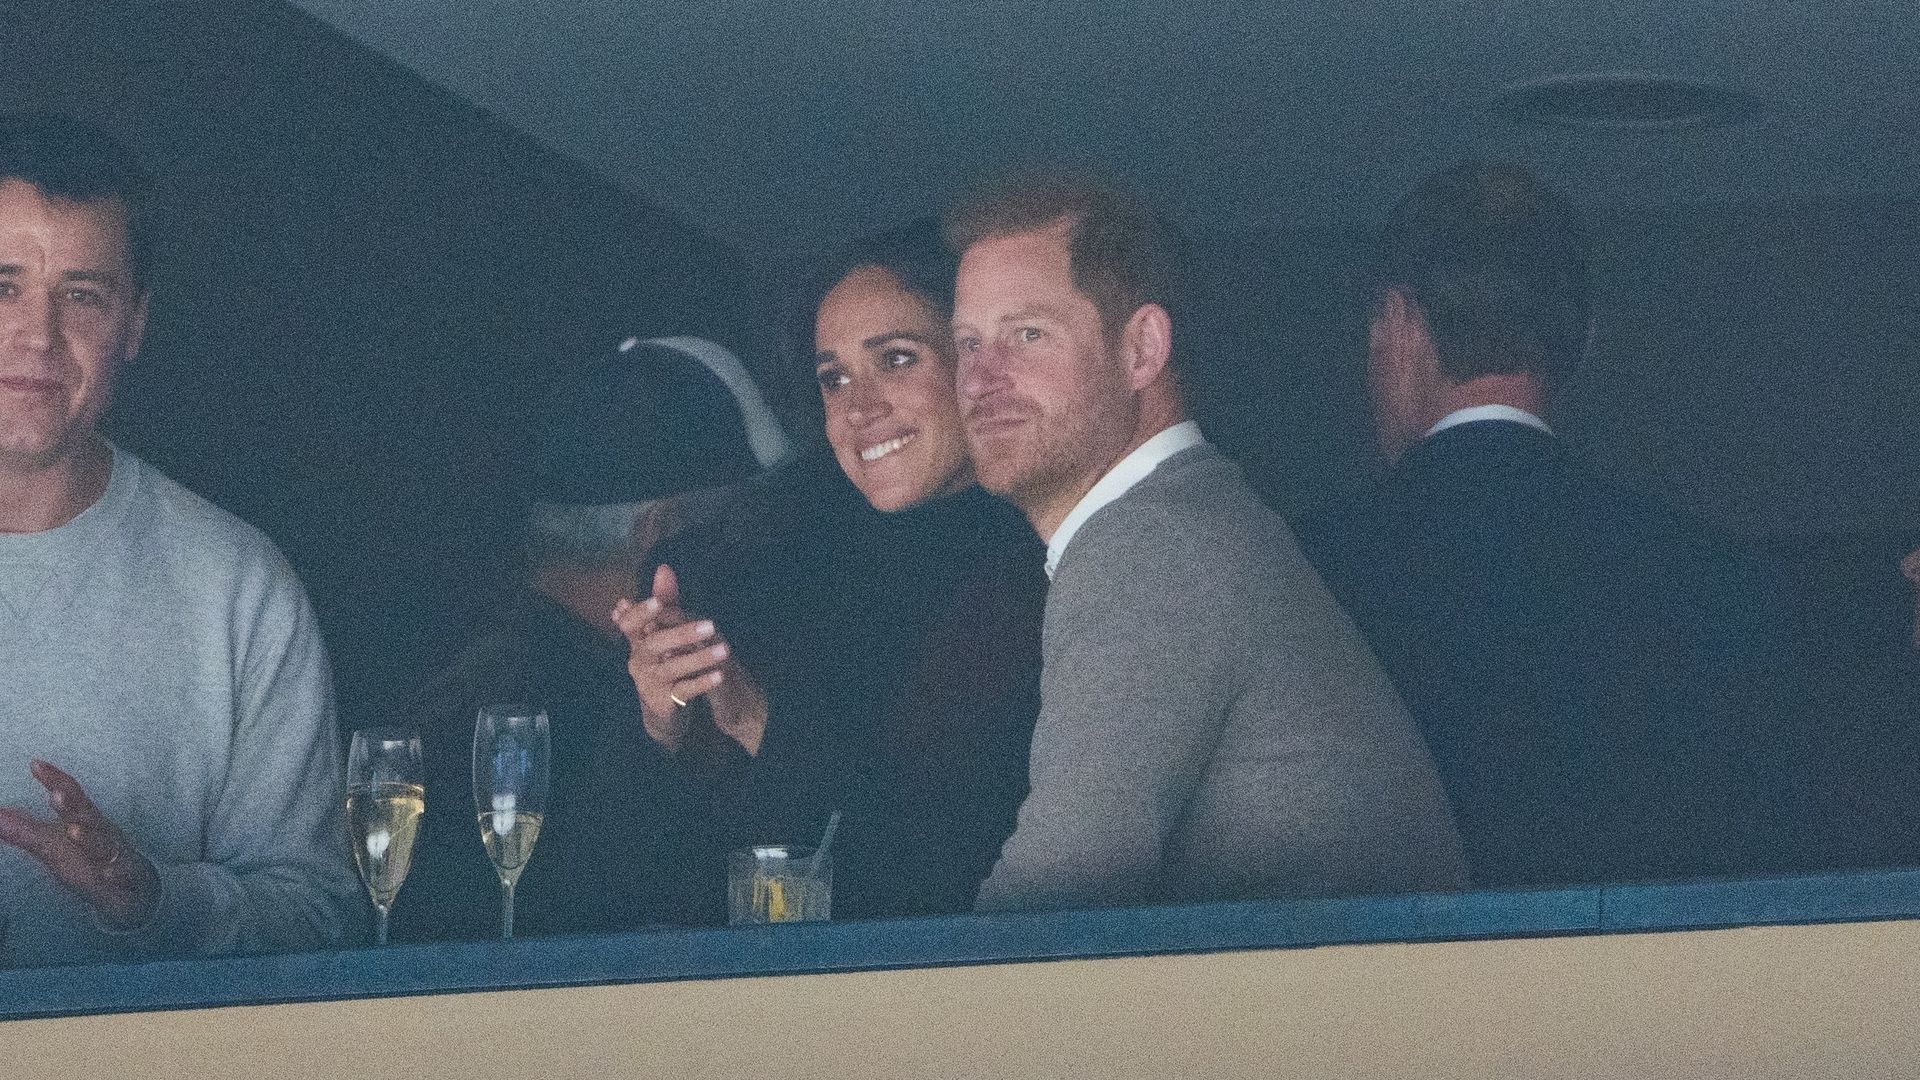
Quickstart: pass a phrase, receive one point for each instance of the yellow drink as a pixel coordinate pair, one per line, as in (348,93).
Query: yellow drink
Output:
(383,820)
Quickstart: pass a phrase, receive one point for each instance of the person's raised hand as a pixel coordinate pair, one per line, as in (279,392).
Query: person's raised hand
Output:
(672,658)
(84,851)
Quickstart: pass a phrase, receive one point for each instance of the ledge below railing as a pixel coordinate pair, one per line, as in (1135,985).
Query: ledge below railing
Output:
(664,955)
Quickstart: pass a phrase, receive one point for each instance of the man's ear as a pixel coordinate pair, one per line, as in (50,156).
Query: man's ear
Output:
(1146,344)
(1402,371)
(1398,335)
(136,329)
(1396,314)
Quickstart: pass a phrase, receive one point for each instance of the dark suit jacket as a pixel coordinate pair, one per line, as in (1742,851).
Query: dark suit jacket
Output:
(1606,689)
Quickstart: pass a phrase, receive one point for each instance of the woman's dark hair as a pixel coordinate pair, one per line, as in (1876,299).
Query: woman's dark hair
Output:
(915,254)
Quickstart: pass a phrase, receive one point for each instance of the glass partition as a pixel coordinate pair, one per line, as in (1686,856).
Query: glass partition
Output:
(365,276)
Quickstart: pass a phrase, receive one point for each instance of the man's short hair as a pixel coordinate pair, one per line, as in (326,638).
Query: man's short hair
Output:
(68,159)
(1123,254)
(1497,261)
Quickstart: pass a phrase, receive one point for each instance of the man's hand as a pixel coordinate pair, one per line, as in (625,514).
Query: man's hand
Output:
(672,658)
(85,852)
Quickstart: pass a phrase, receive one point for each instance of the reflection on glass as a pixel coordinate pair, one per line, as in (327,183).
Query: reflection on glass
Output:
(510,764)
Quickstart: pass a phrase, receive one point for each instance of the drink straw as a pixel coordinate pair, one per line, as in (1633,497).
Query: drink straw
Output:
(819,853)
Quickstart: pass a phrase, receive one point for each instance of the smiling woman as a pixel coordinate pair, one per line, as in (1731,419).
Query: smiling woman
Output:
(867,628)
(886,377)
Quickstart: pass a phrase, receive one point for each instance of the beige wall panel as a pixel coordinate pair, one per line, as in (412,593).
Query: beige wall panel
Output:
(1824,1001)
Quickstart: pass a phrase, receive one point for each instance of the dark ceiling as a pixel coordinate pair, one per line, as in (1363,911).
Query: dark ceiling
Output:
(781,127)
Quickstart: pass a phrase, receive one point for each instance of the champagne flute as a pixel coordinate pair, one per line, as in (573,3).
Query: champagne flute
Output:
(510,764)
(385,798)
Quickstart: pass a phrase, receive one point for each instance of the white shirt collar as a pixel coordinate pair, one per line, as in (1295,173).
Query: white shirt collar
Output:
(1120,479)
(1487,412)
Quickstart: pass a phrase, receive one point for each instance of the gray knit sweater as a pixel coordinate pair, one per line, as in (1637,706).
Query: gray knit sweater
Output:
(1211,724)
(163,653)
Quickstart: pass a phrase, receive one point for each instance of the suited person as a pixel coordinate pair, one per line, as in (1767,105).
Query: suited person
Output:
(1211,725)
(1602,684)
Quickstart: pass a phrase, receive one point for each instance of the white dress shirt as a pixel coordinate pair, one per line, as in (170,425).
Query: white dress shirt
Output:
(1487,412)
(1132,469)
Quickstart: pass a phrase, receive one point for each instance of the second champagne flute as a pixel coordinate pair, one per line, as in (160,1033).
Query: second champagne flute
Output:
(511,757)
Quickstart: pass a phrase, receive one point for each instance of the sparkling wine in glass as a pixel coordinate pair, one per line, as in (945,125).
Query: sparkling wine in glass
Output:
(511,759)
(385,798)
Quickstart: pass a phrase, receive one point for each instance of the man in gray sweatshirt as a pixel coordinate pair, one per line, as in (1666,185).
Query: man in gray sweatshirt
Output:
(169,766)
(1211,724)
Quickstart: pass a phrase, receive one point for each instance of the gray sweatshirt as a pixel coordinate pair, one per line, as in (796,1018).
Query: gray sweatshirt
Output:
(163,653)
(1211,724)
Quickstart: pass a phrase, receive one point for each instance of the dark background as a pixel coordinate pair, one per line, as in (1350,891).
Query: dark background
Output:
(363,277)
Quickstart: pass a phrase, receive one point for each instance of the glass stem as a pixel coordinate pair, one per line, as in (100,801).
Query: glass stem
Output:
(379,925)
(506,909)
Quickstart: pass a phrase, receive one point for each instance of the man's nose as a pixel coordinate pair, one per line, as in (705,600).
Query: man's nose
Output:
(983,370)
(33,322)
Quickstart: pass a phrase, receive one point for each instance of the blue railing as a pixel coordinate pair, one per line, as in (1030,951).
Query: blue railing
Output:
(967,939)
